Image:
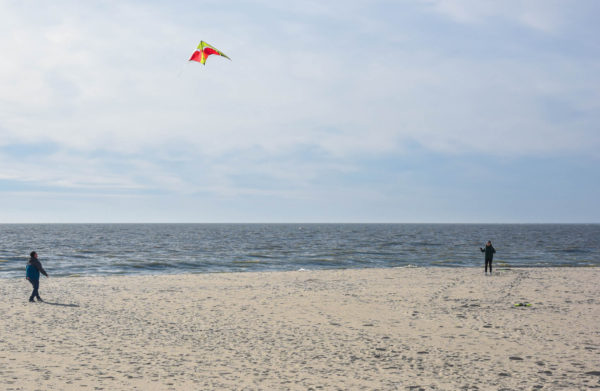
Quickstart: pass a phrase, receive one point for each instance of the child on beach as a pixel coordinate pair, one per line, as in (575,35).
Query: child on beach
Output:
(489,255)
(32,273)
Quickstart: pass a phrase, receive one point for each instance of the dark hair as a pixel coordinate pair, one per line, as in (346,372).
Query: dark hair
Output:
(32,254)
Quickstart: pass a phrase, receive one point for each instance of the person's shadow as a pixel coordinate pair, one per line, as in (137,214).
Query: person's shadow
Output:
(61,304)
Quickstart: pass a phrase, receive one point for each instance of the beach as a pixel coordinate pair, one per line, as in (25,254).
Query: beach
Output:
(355,329)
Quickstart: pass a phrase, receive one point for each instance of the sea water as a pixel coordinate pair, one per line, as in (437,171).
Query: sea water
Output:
(109,249)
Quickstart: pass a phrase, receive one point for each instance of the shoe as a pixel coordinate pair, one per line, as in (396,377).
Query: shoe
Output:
(31,301)
(40,299)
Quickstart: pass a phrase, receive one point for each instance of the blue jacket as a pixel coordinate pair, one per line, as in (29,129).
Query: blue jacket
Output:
(33,270)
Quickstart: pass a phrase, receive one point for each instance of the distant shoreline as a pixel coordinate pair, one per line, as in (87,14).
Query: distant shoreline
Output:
(497,270)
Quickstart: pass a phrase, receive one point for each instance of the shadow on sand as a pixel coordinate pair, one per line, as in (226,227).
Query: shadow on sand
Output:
(61,304)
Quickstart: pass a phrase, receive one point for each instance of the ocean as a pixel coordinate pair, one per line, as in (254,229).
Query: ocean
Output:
(113,249)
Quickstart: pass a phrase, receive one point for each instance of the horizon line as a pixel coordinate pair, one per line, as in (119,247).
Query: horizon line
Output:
(306,223)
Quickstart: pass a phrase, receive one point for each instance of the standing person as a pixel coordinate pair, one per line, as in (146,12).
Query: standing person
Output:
(489,251)
(34,268)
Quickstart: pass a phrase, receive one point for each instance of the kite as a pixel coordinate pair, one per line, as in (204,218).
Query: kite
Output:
(203,51)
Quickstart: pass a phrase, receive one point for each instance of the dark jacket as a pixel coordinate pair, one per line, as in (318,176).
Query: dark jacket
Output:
(489,252)
(34,268)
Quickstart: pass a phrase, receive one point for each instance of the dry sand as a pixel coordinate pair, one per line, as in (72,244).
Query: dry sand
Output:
(386,329)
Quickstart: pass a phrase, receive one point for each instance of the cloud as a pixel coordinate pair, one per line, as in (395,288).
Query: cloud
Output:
(314,91)
(542,15)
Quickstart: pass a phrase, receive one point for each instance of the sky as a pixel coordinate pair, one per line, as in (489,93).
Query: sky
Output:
(423,111)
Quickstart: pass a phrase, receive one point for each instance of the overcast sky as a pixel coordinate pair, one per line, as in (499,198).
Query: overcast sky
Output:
(330,111)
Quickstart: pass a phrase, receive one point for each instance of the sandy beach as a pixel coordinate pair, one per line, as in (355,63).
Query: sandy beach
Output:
(373,329)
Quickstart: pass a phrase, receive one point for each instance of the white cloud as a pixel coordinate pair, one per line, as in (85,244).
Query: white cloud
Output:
(543,15)
(113,77)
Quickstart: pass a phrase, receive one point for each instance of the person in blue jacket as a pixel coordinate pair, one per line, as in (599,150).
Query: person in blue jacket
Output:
(32,273)
(489,251)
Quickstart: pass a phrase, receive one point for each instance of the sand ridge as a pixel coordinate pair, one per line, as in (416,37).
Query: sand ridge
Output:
(373,329)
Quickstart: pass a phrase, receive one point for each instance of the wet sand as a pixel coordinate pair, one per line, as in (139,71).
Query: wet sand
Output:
(385,329)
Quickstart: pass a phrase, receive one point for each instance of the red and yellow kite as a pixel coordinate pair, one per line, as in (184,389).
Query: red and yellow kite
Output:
(203,51)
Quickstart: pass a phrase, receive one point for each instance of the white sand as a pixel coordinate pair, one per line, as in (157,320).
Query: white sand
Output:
(387,329)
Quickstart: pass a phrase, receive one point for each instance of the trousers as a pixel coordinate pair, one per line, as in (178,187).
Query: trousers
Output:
(488,262)
(36,286)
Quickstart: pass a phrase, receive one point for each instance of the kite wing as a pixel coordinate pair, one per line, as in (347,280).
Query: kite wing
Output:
(203,51)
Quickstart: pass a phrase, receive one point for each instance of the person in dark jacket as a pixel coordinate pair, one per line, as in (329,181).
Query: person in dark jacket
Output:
(32,272)
(489,255)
